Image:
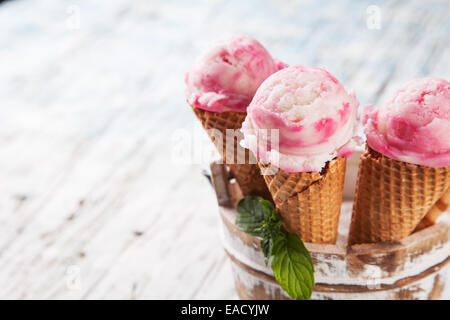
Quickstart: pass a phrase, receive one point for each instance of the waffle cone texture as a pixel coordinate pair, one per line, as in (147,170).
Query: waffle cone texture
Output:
(435,212)
(393,197)
(309,202)
(248,174)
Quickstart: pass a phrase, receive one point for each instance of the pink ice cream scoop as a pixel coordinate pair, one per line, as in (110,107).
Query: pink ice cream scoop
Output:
(226,77)
(315,116)
(414,125)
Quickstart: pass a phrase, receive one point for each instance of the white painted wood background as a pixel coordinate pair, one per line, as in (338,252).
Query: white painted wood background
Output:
(92,204)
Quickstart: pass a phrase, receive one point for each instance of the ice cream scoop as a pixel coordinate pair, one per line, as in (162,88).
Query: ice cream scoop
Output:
(414,125)
(226,77)
(316,118)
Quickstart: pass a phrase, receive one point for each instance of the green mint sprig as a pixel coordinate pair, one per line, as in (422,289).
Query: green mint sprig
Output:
(290,260)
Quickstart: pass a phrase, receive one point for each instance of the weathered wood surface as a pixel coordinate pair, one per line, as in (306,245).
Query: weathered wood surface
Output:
(93,205)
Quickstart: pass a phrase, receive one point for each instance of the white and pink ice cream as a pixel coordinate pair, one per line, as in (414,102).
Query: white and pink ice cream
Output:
(316,118)
(414,125)
(226,77)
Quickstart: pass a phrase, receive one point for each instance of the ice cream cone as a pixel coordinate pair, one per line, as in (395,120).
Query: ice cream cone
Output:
(309,202)
(435,212)
(303,120)
(219,87)
(247,174)
(392,197)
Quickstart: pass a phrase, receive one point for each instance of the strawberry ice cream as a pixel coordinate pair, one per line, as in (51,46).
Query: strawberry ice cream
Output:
(414,125)
(228,74)
(315,115)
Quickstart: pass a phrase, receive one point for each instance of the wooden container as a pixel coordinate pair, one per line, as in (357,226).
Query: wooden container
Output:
(415,268)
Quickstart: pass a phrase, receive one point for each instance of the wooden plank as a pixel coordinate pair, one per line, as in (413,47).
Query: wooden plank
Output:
(92,204)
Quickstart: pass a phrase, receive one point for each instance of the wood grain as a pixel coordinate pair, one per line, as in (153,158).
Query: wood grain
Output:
(93,204)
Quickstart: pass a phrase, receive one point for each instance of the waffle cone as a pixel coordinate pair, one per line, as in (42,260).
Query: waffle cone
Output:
(309,202)
(435,212)
(392,197)
(248,174)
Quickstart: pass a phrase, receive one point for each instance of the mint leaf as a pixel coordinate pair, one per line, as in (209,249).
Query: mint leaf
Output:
(278,243)
(291,262)
(252,212)
(267,204)
(293,267)
(266,247)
